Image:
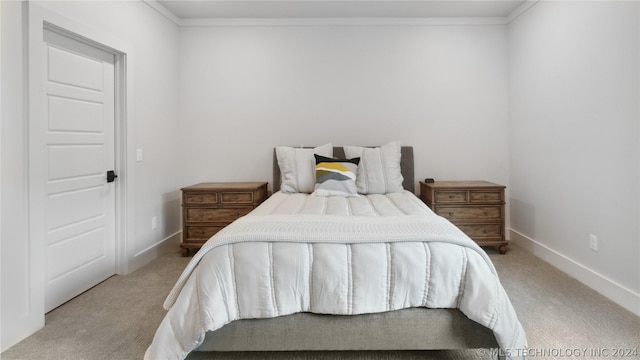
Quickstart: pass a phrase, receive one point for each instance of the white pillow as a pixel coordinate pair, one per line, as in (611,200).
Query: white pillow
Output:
(298,167)
(379,168)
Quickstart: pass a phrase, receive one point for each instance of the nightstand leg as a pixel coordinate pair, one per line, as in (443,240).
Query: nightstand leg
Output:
(503,249)
(185,251)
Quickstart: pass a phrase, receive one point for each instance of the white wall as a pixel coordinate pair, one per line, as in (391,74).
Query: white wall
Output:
(153,123)
(574,140)
(442,89)
(15,279)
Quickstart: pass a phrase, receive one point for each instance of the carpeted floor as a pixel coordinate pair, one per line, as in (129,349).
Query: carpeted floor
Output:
(117,319)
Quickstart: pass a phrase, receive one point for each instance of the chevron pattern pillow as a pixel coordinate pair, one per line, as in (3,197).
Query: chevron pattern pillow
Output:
(336,177)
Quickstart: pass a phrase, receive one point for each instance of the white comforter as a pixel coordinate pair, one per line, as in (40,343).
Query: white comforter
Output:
(333,255)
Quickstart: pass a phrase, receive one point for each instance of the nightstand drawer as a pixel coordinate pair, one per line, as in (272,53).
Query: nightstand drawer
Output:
(451,196)
(237,198)
(209,198)
(202,232)
(482,230)
(486,197)
(216,215)
(469,212)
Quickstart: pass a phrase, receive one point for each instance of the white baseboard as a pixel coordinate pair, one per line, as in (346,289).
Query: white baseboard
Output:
(168,244)
(605,286)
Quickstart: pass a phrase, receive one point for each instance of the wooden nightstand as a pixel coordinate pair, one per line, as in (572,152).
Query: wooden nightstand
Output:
(209,207)
(476,207)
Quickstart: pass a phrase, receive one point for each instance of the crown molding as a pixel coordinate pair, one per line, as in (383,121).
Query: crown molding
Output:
(249,22)
(163,11)
(520,10)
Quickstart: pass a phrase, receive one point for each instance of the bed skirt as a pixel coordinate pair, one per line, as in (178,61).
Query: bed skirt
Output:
(407,329)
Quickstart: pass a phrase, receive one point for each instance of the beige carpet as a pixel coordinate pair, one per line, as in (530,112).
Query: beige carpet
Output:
(117,319)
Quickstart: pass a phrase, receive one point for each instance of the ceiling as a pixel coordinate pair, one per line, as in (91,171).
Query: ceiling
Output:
(301,9)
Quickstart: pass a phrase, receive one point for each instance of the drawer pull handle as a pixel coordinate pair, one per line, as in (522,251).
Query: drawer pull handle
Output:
(486,213)
(451,213)
(237,213)
(450,196)
(200,232)
(485,231)
(200,215)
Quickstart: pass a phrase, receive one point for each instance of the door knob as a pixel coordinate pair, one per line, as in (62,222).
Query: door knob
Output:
(111,176)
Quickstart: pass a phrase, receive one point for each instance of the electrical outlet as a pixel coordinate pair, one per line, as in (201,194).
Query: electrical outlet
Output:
(154,222)
(593,242)
(138,155)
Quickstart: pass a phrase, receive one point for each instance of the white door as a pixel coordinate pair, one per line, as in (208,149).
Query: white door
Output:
(80,149)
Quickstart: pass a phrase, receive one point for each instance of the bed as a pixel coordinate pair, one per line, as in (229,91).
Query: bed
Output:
(370,272)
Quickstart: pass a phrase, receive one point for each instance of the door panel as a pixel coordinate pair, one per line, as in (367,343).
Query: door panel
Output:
(79,136)
(69,161)
(75,115)
(73,69)
(84,244)
(72,207)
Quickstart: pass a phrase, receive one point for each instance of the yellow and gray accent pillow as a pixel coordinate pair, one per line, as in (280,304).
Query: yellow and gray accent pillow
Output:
(336,177)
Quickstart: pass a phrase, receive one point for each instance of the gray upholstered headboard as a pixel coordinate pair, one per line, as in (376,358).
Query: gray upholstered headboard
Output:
(406,167)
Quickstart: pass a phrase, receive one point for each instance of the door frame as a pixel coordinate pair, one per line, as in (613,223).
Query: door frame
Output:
(40,18)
